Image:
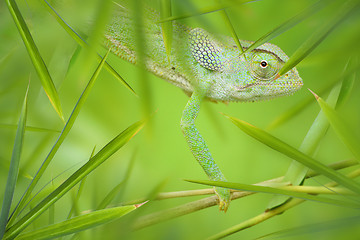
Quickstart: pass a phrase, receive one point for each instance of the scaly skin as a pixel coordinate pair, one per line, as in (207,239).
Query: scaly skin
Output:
(205,67)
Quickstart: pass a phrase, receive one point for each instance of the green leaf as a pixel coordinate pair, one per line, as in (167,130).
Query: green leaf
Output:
(262,189)
(167,27)
(60,140)
(232,30)
(29,128)
(297,108)
(288,24)
(113,146)
(114,192)
(346,135)
(82,42)
(79,223)
(35,56)
(215,8)
(296,172)
(320,35)
(79,191)
(295,154)
(14,168)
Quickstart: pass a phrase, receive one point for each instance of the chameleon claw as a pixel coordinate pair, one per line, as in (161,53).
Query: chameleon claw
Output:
(224,197)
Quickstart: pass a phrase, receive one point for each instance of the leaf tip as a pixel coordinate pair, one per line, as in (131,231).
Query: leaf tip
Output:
(140,204)
(315,95)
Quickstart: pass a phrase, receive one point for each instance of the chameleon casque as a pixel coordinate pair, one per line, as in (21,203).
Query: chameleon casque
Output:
(205,67)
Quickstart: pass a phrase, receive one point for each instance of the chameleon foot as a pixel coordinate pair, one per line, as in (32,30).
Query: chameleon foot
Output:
(224,197)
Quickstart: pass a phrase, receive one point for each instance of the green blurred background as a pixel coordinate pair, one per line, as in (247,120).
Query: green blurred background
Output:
(161,153)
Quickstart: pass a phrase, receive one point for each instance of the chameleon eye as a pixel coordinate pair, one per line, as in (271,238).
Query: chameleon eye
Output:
(264,66)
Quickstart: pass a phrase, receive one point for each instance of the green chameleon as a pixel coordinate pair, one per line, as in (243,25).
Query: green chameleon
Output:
(205,67)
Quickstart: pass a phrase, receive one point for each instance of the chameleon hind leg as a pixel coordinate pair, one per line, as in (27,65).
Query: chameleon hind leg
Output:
(200,150)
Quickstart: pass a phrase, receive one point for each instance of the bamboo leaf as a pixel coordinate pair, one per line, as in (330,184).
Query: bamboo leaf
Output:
(79,223)
(113,146)
(112,194)
(314,228)
(215,8)
(35,56)
(297,108)
(82,42)
(29,128)
(346,135)
(60,139)
(167,27)
(296,172)
(79,191)
(14,168)
(320,35)
(295,154)
(232,30)
(281,191)
(290,23)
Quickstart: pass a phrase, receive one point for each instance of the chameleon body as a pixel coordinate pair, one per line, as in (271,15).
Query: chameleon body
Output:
(205,67)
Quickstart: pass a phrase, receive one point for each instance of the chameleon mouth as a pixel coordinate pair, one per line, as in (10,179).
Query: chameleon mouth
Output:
(289,85)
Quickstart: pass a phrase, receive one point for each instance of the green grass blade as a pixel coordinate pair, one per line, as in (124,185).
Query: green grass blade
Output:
(167,27)
(61,138)
(288,24)
(232,30)
(271,190)
(346,135)
(314,228)
(36,58)
(296,172)
(115,191)
(113,146)
(79,223)
(319,36)
(79,191)
(14,168)
(82,42)
(347,85)
(29,128)
(197,12)
(295,154)
(294,110)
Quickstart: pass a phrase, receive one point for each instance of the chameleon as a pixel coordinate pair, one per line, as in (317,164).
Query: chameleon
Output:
(206,67)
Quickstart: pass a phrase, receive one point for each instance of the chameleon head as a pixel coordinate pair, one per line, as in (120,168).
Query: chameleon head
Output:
(261,81)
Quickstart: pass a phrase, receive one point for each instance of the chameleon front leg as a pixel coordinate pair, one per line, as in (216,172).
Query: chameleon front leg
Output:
(199,148)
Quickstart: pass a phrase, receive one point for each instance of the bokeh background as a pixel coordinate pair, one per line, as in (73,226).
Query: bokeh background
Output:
(159,152)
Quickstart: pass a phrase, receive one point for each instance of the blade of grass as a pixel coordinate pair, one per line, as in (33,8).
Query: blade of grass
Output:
(295,154)
(294,110)
(113,146)
(29,128)
(232,30)
(79,191)
(115,191)
(314,228)
(14,168)
(319,36)
(79,223)
(167,27)
(271,213)
(296,172)
(35,57)
(215,8)
(60,139)
(191,207)
(290,23)
(346,135)
(82,42)
(280,191)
